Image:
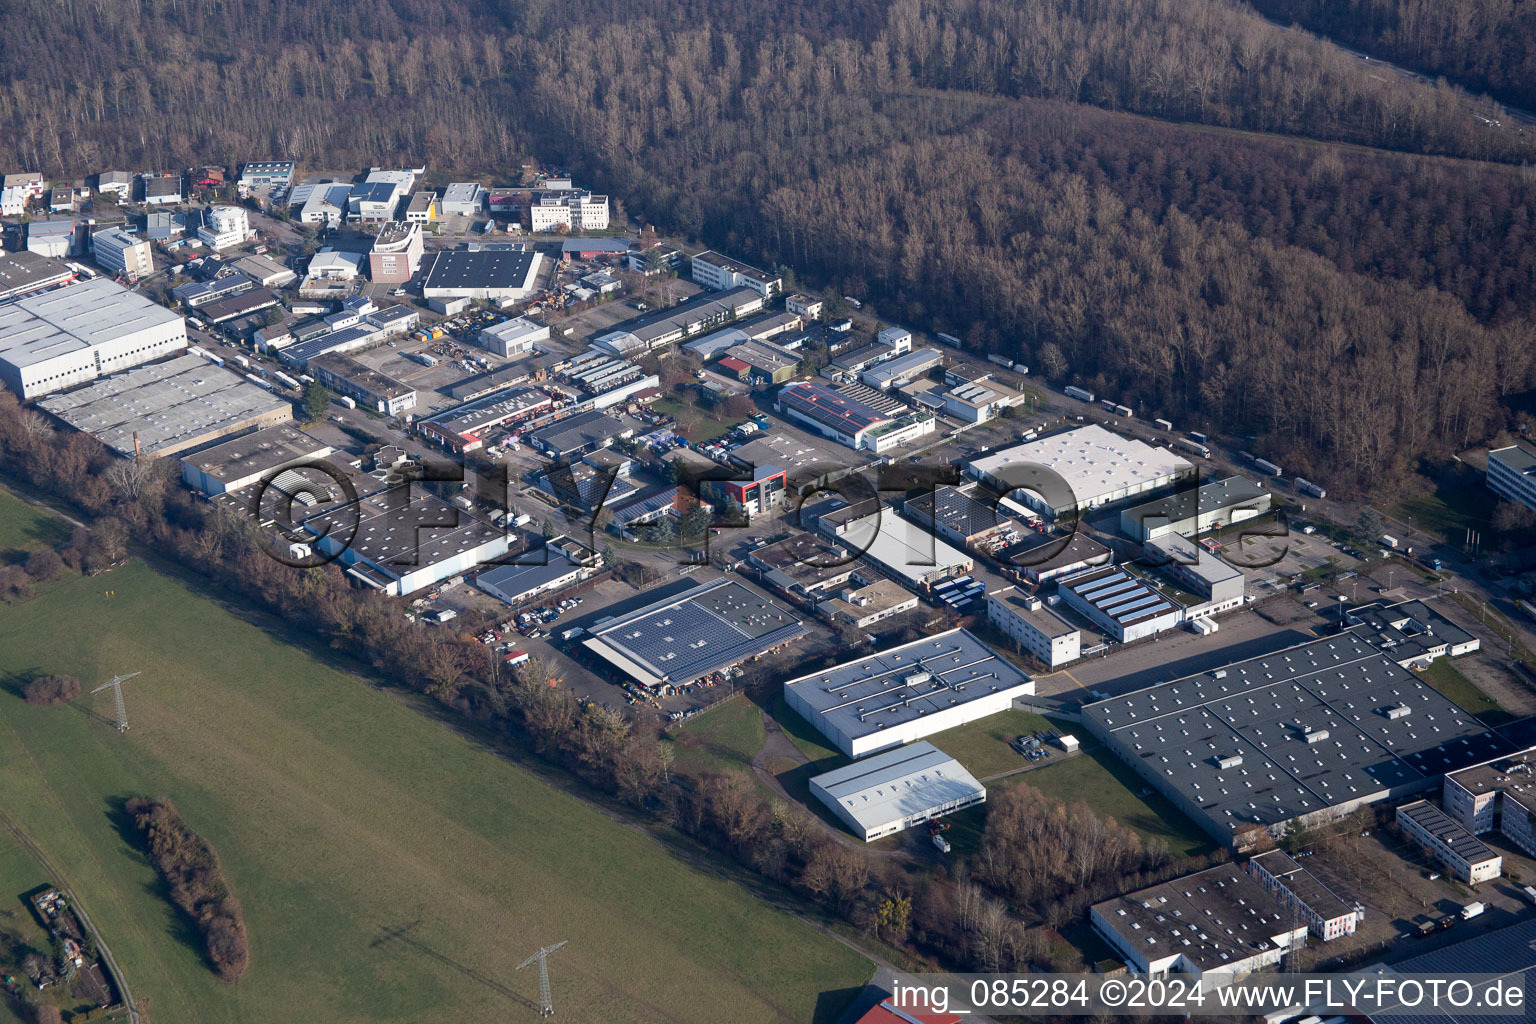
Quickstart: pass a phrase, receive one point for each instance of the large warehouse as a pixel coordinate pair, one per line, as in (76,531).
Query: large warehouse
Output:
(683,638)
(245,460)
(891,791)
(1097,466)
(67,336)
(168,407)
(1307,733)
(1123,606)
(905,693)
(1193,511)
(496,275)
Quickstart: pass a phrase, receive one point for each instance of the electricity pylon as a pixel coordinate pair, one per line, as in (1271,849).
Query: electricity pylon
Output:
(546,1008)
(117,698)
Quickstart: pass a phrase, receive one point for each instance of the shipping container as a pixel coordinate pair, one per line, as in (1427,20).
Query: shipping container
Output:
(1191,445)
(950,340)
(258,381)
(1078,393)
(347,401)
(1124,410)
(1165,424)
(999,360)
(1108,404)
(1388,540)
(287,380)
(1195,435)
(1268,467)
(1308,487)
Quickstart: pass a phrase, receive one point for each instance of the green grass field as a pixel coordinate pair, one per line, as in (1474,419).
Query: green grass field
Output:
(25,528)
(1460,501)
(1095,778)
(723,737)
(805,737)
(983,746)
(1452,684)
(712,423)
(341,815)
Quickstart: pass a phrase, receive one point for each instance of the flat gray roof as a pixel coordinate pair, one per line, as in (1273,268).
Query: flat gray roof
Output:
(1517,457)
(1118,595)
(401,529)
(167,404)
(1042,618)
(902,683)
(1440,825)
(1304,885)
(1233,492)
(897,784)
(1407,628)
(24,271)
(1093,461)
(1212,918)
(688,636)
(255,453)
(90,313)
(957,510)
(1310,724)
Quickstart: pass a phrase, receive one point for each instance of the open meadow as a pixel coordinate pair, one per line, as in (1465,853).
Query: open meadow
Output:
(390,870)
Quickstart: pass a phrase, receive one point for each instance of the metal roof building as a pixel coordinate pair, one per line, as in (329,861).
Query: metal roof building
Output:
(1098,468)
(168,407)
(22,273)
(905,693)
(685,637)
(244,460)
(66,336)
(530,575)
(1506,953)
(891,791)
(1193,511)
(1122,605)
(1214,926)
(1307,733)
(829,413)
(498,275)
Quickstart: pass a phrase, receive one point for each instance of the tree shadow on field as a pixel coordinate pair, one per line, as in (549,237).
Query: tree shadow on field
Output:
(178,925)
(402,934)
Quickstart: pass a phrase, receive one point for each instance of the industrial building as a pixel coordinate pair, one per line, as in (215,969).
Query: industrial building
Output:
(870,602)
(118,183)
(906,693)
(501,275)
(1047,556)
(513,337)
(162,189)
(463,199)
(1124,607)
(267,173)
(396,253)
(235,306)
(957,516)
(1508,954)
(54,238)
(582,485)
(27,273)
(805,565)
(1097,467)
(762,493)
(224,227)
(1512,474)
(603,379)
(1410,632)
(1463,855)
(668,326)
(422,208)
(67,336)
(1496,796)
(465,428)
(168,407)
(683,638)
(769,362)
(403,539)
(242,461)
(368,387)
(567,209)
(533,574)
(1026,620)
(576,435)
(378,196)
(1212,927)
(1305,734)
(804,305)
(892,791)
(1193,511)
(712,270)
(121,254)
(199,293)
(668,503)
(829,413)
(1218,585)
(901,369)
(265,272)
(902,549)
(321,204)
(979,401)
(1327,916)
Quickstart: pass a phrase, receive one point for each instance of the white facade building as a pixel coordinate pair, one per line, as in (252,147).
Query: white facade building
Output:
(569,210)
(1512,474)
(464,199)
(122,255)
(514,337)
(225,227)
(1040,631)
(51,341)
(895,790)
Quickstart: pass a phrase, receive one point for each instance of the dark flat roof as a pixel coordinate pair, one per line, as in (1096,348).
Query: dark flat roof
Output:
(483,268)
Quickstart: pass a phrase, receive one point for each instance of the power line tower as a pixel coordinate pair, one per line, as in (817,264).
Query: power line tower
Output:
(116,686)
(546,1008)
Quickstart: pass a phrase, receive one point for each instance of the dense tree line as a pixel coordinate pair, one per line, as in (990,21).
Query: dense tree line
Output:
(1487,45)
(190,869)
(987,926)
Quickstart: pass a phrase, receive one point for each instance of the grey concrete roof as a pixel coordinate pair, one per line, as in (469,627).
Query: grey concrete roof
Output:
(90,313)
(898,784)
(902,683)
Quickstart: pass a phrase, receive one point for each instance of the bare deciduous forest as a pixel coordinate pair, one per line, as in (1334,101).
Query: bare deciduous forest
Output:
(1208,215)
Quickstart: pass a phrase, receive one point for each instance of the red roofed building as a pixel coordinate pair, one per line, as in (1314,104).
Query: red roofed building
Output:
(887,1013)
(735,367)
